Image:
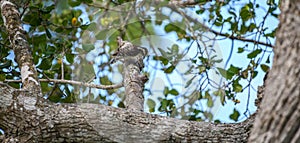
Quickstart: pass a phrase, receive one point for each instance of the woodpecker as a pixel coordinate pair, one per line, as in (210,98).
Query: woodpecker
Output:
(127,50)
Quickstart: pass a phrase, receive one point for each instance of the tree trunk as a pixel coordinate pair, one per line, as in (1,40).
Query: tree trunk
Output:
(279,118)
(12,22)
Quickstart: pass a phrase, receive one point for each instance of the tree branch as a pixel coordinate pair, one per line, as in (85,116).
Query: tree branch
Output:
(52,122)
(132,57)
(73,83)
(239,38)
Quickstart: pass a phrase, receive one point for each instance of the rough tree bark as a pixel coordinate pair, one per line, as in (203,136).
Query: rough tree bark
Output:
(132,57)
(12,22)
(22,121)
(279,118)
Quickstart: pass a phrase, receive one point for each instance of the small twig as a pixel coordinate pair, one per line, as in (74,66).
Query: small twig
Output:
(74,83)
(62,65)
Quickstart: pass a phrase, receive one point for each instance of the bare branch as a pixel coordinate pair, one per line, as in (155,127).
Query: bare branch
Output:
(186,2)
(240,38)
(74,83)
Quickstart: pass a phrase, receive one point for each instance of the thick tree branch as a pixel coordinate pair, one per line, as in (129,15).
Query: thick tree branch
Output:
(26,122)
(11,18)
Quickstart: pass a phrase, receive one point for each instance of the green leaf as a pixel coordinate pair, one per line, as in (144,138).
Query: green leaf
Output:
(252,26)
(268,60)
(151,105)
(235,115)
(6,64)
(163,53)
(264,67)
(173,92)
(56,95)
(49,8)
(225,73)
(45,64)
(121,105)
(88,47)
(207,95)
(234,70)
(210,102)
(91,27)
(105,80)
(70,58)
(169,69)
(102,34)
(84,27)
(254,74)
(200,11)
(237,87)
(2,77)
(33,19)
(74,3)
(175,49)
(166,91)
(164,104)
(245,13)
(201,68)
(162,59)
(254,53)
(240,50)
(87,1)
(171,27)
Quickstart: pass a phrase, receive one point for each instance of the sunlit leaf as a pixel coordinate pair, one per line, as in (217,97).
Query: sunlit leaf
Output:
(88,47)
(225,73)
(264,67)
(166,91)
(254,53)
(235,115)
(210,102)
(173,92)
(240,50)
(169,69)
(151,105)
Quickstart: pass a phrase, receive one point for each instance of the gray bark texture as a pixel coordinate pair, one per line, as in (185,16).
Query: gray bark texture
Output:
(23,121)
(12,22)
(132,57)
(279,118)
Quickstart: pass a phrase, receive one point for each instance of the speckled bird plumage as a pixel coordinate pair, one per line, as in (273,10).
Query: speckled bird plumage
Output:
(127,50)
